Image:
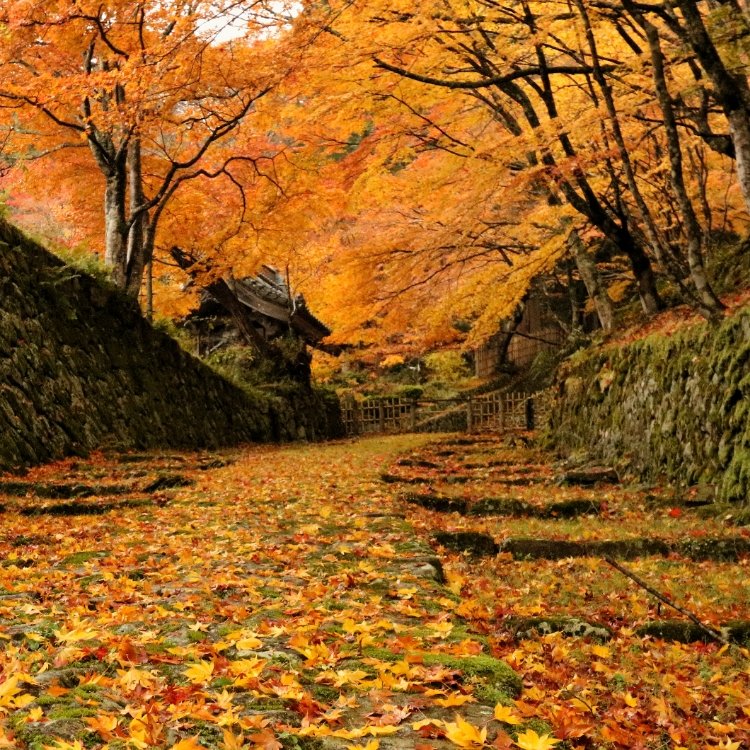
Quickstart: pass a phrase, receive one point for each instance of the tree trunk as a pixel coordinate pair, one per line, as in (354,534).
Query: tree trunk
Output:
(732,91)
(593,282)
(739,127)
(588,204)
(643,272)
(115,228)
(138,235)
(709,303)
(150,290)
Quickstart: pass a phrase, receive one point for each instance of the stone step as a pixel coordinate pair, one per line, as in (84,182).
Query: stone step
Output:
(491,506)
(681,631)
(61,491)
(684,631)
(728,549)
(590,476)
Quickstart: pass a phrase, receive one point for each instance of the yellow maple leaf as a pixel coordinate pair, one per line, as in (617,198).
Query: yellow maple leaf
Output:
(76,634)
(463,734)
(630,700)
(248,643)
(8,690)
(455,699)
(427,722)
(191,743)
(601,651)
(20,701)
(506,714)
(233,741)
(375,731)
(36,714)
(200,673)
(11,695)
(104,725)
(371,745)
(133,678)
(530,740)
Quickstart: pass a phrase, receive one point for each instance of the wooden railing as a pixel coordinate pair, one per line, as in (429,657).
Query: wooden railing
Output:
(496,411)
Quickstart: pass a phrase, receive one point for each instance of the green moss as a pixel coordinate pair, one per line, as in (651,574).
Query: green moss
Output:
(381,654)
(221,682)
(267,704)
(493,672)
(79,558)
(293,742)
(71,711)
(491,696)
(41,735)
(325,694)
(208,734)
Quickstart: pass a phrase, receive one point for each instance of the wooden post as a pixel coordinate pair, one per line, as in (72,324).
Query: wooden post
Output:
(413,415)
(530,412)
(503,398)
(469,416)
(381,414)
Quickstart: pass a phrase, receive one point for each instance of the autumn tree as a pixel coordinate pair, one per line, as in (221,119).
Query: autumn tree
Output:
(543,98)
(153,89)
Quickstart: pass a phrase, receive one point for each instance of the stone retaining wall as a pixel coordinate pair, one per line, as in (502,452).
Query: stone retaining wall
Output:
(81,369)
(676,407)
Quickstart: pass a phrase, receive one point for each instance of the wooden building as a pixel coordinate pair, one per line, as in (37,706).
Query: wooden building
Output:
(537,331)
(271,308)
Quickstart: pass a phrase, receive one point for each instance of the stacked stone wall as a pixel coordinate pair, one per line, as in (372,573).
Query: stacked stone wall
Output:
(674,407)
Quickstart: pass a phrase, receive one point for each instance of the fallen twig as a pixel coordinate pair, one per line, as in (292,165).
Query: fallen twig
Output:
(714,634)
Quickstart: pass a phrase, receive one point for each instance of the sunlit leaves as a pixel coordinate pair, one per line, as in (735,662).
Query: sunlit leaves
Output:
(530,740)
(463,734)
(249,599)
(506,714)
(200,673)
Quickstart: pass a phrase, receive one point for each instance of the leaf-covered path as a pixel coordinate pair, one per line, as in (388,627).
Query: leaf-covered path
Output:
(289,597)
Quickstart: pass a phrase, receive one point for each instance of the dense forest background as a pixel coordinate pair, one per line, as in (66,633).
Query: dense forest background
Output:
(418,169)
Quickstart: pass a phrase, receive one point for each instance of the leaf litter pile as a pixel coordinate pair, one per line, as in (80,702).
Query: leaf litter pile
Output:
(398,592)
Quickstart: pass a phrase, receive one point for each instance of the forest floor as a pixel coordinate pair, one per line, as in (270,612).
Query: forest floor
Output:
(394,592)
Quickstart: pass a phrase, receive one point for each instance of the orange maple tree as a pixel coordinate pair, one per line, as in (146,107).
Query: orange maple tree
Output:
(152,91)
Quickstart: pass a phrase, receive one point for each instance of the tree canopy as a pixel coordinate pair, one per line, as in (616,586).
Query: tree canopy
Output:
(413,166)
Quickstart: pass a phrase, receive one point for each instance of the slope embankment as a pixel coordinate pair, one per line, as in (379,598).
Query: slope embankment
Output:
(81,369)
(674,407)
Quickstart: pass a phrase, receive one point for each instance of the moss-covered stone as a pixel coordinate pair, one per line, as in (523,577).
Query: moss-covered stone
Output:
(471,542)
(684,631)
(712,548)
(528,627)
(37,735)
(496,506)
(674,407)
(76,508)
(485,669)
(558,549)
(438,503)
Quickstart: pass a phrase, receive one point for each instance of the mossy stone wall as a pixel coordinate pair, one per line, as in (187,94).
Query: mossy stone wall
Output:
(81,369)
(674,407)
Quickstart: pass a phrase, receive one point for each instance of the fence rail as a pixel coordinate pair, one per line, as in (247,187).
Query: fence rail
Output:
(496,411)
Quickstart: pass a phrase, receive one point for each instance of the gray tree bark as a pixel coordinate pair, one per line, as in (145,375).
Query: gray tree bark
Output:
(137,255)
(592,280)
(709,303)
